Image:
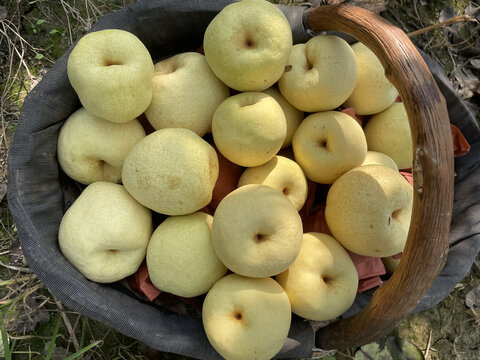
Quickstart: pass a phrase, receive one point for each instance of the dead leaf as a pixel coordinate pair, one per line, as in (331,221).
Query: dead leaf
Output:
(475,64)
(389,349)
(403,349)
(467,82)
(373,351)
(447,13)
(472,10)
(472,300)
(3,12)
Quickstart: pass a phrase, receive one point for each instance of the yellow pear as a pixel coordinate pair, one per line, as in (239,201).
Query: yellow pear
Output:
(180,255)
(391,264)
(171,171)
(322,282)
(368,210)
(373,92)
(293,116)
(246,318)
(256,231)
(111,71)
(375,157)
(328,144)
(92,149)
(282,174)
(105,233)
(247,44)
(249,128)
(320,74)
(185,94)
(388,132)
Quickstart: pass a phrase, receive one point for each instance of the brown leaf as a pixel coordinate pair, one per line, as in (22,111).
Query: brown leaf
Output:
(466,81)
(472,300)
(447,13)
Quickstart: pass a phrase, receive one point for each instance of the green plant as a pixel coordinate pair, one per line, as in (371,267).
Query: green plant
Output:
(7,349)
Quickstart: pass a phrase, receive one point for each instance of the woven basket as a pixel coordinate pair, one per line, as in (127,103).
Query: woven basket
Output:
(428,239)
(36,197)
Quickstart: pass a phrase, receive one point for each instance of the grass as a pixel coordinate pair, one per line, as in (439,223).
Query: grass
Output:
(34,324)
(412,15)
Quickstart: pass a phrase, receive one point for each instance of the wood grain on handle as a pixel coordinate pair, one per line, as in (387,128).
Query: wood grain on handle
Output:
(427,244)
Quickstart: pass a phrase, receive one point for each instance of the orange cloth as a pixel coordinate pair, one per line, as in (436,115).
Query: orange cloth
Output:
(351,111)
(228,176)
(141,283)
(460,144)
(407,174)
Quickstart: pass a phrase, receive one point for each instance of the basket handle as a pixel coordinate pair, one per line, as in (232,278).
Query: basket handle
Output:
(433,173)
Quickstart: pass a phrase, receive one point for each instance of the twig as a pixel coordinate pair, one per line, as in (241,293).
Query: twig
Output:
(453,20)
(23,43)
(67,324)
(449,50)
(27,337)
(27,270)
(416,13)
(69,26)
(429,343)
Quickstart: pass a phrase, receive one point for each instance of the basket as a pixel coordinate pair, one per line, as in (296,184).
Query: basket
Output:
(37,202)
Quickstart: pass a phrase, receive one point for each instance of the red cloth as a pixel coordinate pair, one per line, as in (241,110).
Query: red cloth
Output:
(460,144)
(351,111)
(228,176)
(369,283)
(369,271)
(141,283)
(146,124)
(307,206)
(397,256)
(408,176)
(316,222)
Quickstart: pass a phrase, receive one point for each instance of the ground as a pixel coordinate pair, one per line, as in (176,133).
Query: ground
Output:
(34,34)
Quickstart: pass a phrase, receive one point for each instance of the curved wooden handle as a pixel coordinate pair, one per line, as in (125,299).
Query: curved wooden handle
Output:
(427,245)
